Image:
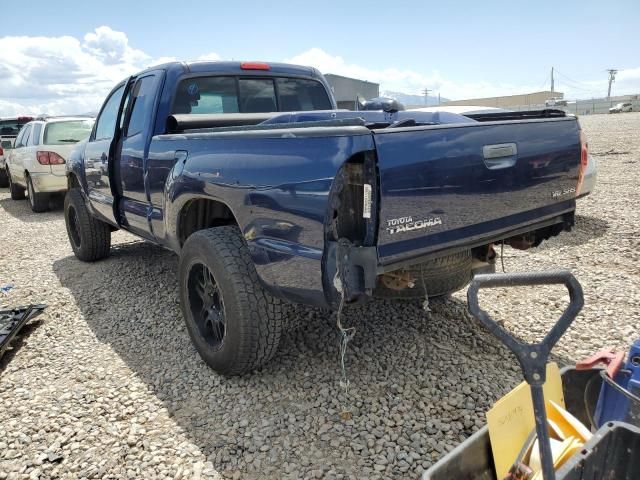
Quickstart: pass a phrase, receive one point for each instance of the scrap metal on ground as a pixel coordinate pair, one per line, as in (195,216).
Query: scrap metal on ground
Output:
(12,321)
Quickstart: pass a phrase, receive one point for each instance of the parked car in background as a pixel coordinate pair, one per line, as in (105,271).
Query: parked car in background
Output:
(37,161)
(621,107)
(556,102)
(9,128)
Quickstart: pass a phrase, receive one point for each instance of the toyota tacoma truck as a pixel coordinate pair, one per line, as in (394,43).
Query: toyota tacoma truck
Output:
(268,193)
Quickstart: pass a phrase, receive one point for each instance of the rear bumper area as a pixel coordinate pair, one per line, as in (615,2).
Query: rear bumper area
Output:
(406,252)
(359,267)
(48,182)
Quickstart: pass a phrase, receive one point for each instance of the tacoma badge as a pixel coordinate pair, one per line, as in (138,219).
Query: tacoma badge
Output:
(406,224)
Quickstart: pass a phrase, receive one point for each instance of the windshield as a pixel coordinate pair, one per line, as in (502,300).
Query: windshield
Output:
(62,133)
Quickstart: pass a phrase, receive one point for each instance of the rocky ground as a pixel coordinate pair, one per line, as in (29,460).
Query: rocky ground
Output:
(105,384)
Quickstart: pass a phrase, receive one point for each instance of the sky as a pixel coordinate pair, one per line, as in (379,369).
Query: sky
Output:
(65,56)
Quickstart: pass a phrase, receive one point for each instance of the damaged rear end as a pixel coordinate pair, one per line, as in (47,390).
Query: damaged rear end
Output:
(414,217)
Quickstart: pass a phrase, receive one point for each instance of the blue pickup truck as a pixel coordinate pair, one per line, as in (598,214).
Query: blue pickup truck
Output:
(268,193)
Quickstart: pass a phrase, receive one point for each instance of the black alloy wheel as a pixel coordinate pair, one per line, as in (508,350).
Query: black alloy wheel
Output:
(206,305)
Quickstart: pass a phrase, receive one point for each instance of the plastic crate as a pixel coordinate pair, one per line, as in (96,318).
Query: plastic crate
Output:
(612,453)
(473,459)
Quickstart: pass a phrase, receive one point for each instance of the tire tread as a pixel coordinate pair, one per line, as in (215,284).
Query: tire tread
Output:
(96,243)
(261,315)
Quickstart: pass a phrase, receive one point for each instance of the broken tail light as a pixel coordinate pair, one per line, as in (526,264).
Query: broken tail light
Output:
(584,160)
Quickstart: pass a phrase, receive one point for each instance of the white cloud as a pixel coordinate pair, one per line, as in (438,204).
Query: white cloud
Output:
(67,75)
(64,75)
(209,57)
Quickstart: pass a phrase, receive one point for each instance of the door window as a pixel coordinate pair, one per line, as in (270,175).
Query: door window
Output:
(35,134)
(141,100)
(106,124)
(25,136)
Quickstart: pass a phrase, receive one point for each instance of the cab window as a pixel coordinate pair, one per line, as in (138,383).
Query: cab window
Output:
(230,94)
(207,95)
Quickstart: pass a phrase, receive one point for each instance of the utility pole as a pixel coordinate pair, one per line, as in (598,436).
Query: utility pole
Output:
(552,83)
(612,78)
(425,92)
(438,98)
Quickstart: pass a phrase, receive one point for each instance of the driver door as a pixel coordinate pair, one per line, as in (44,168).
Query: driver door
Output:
(99,155)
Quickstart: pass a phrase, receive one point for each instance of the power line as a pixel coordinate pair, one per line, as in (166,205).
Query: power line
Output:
(544,82)
(565,76)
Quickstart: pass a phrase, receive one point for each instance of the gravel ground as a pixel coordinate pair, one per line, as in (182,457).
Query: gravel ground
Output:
(105,384)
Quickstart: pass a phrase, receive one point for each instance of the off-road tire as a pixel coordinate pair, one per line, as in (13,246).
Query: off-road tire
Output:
(17,192)
(4,180)
(39,202)
(438,277)
(89,237)
(253,317)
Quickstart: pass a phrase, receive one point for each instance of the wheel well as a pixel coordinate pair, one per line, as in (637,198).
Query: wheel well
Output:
(203,213)
(72,181)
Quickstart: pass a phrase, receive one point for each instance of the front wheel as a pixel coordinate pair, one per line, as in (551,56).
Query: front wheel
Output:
(233,322)
(90,238)
(4,180)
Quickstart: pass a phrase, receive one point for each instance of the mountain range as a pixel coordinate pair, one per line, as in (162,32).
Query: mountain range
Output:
(413,100)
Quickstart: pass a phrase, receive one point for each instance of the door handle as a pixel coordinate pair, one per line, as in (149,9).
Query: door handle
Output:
(500,155)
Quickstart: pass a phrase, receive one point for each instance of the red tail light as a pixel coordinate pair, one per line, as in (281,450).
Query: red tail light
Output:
(584,160)
(254,66)
(1,151)
(49,158)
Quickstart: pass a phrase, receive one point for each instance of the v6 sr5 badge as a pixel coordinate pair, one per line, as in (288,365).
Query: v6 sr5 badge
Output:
(407,224)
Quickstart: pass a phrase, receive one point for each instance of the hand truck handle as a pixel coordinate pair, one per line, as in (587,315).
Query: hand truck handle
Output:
(532,357)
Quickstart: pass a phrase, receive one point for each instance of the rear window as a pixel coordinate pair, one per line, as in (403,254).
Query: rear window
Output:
(12,127)
(63,133)
(249,95)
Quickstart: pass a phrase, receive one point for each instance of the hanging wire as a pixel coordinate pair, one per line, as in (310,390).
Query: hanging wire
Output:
(346,334)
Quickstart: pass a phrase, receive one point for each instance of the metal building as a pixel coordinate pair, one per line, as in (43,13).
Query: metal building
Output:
(346,89)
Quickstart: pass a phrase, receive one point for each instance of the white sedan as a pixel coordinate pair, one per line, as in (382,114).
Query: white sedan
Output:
(37,161)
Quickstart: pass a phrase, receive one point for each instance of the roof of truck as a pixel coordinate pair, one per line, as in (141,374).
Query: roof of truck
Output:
(239,67)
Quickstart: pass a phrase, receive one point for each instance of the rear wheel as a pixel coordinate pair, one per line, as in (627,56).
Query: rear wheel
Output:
(17,192)
(90,238)
(39,202)
(233,322)
(434,278)
(4,180)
